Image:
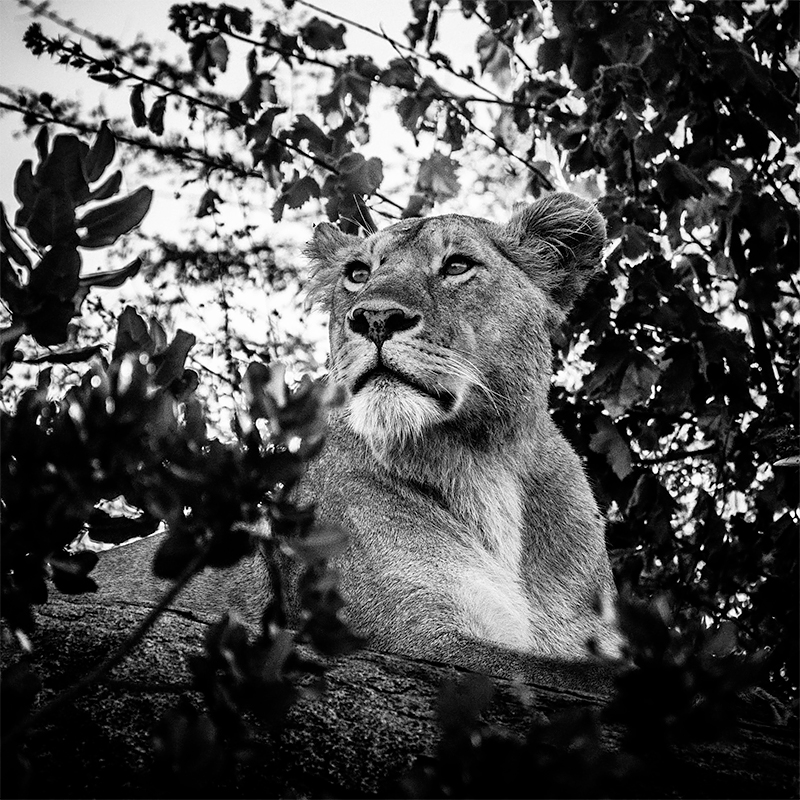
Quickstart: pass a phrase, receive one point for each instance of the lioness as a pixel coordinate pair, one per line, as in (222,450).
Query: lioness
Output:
(474,535)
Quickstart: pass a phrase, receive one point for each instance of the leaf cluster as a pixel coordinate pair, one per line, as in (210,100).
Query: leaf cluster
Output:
(44,293)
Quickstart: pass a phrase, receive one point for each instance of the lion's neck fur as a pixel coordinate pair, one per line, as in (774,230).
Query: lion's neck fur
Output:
(480,483)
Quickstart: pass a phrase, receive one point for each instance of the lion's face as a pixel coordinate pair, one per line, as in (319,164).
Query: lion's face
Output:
(442,322)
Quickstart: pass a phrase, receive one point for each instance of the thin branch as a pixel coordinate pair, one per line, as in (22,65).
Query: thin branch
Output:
(114,658)
(42,9)
(519,58)
(399,46)
(468,120)
(198,101)
(179,154)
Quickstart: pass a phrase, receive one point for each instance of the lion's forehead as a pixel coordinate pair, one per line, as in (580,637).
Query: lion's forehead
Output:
(425,239)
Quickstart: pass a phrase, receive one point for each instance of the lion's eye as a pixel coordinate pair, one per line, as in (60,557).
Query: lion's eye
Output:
(457,265)
(356,272)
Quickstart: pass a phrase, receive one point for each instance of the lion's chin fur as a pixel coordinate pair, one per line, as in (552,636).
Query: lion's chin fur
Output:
(391,414)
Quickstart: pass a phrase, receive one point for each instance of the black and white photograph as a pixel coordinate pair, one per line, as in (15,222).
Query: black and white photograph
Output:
(400,399)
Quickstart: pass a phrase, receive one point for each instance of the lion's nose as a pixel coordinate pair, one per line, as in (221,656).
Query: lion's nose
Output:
(379,325)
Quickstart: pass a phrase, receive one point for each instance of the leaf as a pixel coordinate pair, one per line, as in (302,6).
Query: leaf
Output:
(413,107)
(173,358)
(400,73)
(608,442)
(437,177)
(635,242)
(56,275)
(155,120)
(158,335)
(208,204)
(101,153)
(48,325)
(132,334)
(637,381)
(550,56)
(41,143)
(358,175)
(305,129)
(71,572)
(217,49)
(24,188)
(494,57)
(138,113)
(108,188)
(106,224)
(321,35)
(52,219)
(114,278)
(677,182)
(108,78)
(295,194)
(9,243)
(722,641)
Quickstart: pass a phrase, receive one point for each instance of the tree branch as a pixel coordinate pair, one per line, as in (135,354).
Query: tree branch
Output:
(398,46)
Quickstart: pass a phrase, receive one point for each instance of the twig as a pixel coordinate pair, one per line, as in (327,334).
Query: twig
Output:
(43,10)
(47,710)
(398,45)
(500,146)
(519,58)
(168,151)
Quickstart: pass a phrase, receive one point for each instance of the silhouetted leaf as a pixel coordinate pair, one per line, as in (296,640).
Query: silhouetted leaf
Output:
(9,243)
(112,279)
(101,153)
(155,119)
(138,114)
(437,177)
(608,442)
(321,35)
(104,225)
(108,188)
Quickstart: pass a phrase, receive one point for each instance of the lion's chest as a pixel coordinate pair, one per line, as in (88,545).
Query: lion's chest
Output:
(489,591)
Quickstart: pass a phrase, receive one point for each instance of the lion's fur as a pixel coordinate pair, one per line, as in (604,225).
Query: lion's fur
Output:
(470,515)
(473,530)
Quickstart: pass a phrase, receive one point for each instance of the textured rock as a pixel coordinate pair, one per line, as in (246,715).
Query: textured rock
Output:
(376,717)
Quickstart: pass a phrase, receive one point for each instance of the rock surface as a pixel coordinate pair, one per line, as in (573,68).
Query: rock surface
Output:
(375,719)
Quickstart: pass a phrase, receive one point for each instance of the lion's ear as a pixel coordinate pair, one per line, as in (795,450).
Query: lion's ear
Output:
(324,252)
(558,241)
